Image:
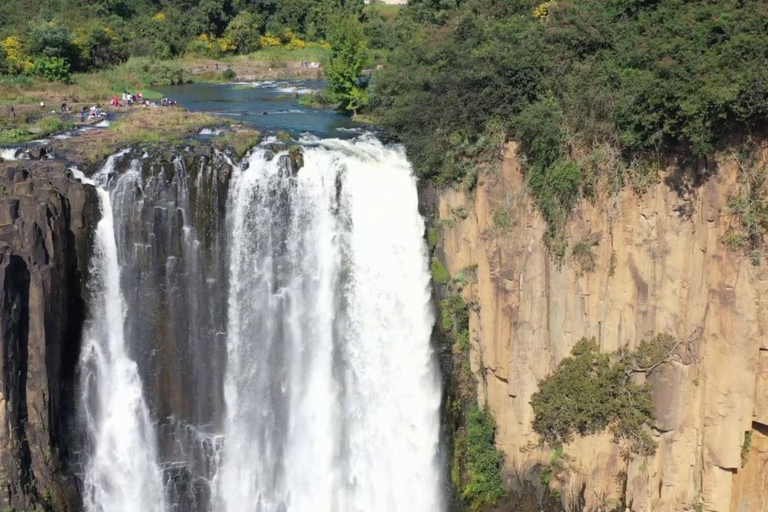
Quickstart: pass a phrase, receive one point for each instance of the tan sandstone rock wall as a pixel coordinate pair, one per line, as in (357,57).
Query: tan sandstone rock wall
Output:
(661,267)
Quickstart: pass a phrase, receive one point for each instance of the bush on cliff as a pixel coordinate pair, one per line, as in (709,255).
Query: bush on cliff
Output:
(590,392)
(483,461)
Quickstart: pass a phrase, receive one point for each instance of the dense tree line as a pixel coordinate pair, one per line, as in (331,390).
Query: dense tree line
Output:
(593,90)
(52,38)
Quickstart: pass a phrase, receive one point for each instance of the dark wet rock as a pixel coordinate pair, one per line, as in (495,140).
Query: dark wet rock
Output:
(46,225)
(296,157)
(38,152)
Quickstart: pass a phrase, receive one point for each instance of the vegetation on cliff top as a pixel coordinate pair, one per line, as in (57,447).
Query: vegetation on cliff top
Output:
(595,91)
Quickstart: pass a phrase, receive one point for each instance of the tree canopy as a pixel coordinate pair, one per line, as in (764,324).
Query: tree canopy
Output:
(593,90)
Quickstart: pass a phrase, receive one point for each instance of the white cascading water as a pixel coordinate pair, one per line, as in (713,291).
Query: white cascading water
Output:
(8,153)
(332,390)
(122,472)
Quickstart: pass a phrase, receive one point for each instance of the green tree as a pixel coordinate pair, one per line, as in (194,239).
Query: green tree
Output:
(52,40)
(483,461)
(349,56)
(54,69)
(244,30)
(99,48)
(592,391)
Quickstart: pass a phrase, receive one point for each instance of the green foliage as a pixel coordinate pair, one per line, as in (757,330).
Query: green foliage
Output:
(40,129)
(612,264)
(502,218)
(461,279)
(151,72)
(244,31)
(583,255)
(54,69)
(483,461)
(52,40)
(228,74)
(440,274)
(746,447)
(99,47)
(14,135)
(433,238)
(589,392)
(554,467)
(652,352)
(592,90)
(455,308)
(750,208)
(348,58)
(103,33)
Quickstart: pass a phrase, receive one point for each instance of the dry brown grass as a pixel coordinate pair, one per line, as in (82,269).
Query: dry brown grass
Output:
(160,124)
(151,126)
(137,126)
(241,139)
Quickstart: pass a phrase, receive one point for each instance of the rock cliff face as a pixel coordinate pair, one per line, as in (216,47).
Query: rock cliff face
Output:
(659,267)
(170,227)
(46,220)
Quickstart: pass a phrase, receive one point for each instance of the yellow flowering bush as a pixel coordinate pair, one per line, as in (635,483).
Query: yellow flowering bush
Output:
(227,44)
(159,16)
(211,46)
(18,60)
(269,41)
(542,10)
(296,44)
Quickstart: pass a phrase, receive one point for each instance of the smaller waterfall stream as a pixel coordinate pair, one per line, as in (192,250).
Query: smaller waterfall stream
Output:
(122,473)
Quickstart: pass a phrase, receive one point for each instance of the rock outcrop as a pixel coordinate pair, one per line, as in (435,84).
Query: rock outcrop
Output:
(660,266)
(46,221)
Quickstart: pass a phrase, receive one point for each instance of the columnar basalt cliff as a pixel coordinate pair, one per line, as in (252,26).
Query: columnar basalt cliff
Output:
(660,266)
(46,222)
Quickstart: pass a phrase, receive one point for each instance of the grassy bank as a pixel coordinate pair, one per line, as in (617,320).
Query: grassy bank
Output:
(136,75)
(141,74)
(38,129)
(148,127)
(283,55)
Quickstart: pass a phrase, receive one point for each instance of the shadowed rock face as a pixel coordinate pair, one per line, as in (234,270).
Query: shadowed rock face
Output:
(169,208)
(46,222)
(170,228)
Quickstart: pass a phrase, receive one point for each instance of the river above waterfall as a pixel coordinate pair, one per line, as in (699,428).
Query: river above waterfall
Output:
(270,105)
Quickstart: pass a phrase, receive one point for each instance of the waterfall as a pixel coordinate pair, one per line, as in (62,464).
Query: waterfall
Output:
(331,390)
(122,472)
(266,347)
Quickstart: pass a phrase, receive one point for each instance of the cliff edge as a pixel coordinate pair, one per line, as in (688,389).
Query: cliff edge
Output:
(46,223)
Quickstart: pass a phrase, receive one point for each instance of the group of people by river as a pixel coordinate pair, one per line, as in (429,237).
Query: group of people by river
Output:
(129,100)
